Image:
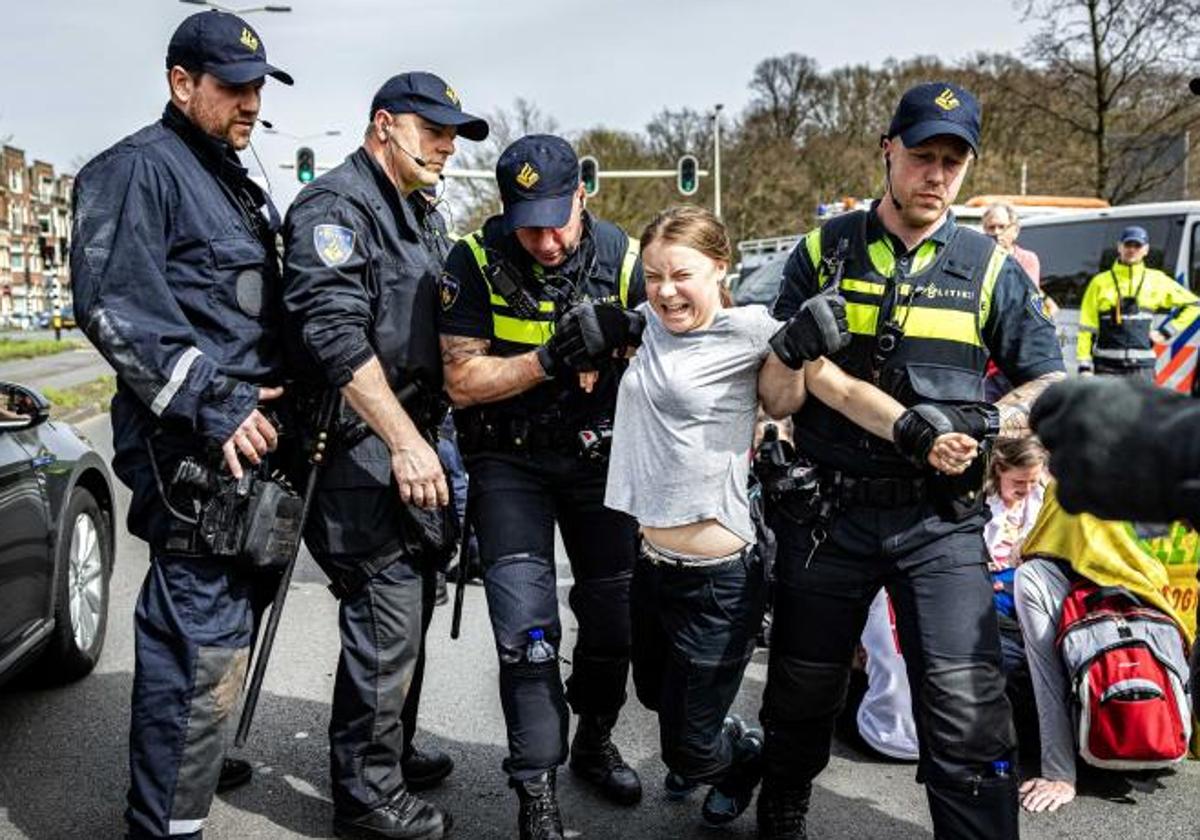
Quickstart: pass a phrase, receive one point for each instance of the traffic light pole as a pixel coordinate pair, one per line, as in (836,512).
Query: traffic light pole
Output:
(717,161)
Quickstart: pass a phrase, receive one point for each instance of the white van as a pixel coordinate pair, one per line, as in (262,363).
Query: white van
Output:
(1074,247)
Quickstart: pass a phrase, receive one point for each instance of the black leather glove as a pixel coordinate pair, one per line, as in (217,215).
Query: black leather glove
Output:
(916,429)
(818,329)
(1122,450)
(553,354)
(593,332)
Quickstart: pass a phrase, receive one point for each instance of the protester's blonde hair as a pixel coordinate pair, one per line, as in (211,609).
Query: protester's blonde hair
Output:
(693,227)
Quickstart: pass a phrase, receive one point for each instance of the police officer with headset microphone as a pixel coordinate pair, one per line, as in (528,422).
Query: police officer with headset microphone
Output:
(926,303)
(176,282)
(361,289)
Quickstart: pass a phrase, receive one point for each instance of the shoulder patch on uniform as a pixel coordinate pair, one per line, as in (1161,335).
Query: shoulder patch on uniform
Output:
(448,289)
(334,244)
(1037,303)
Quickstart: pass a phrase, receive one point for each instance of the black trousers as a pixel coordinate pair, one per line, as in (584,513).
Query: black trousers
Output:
(940,588)
(515,502)
(693,635)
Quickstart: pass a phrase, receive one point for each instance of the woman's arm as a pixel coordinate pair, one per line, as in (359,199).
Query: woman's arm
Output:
(780,388)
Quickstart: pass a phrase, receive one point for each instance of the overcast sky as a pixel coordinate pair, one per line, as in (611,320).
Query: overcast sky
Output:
(80,74)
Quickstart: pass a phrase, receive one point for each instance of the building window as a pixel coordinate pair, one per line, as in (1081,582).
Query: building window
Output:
(16,182)
(18,261)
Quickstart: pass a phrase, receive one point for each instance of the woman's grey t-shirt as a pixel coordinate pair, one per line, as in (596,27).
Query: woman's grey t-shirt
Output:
(685,419)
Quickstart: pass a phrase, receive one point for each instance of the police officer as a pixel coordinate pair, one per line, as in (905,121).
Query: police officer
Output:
(927,302)
(176,281)
(361,285)
(533,433)
(1116,316)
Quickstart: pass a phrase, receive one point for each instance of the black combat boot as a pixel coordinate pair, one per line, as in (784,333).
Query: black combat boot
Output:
(596,758)
(403,817)
(539,818)
(424,769)
(782,811)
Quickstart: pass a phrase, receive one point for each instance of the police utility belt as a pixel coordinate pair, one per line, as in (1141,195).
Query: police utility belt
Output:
(490,432)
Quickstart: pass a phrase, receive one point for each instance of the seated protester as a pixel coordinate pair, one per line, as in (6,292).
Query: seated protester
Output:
(1061,549)
(1015,484)
(683,428)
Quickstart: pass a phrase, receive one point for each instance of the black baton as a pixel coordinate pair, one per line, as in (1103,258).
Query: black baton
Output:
(460,585)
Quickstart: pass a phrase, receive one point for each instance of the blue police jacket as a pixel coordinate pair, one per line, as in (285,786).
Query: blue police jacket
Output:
(176,281)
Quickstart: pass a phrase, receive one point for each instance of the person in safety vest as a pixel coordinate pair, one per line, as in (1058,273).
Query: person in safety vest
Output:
(1116,331)
(364,253)
(176,282)
(535,434)
(927,303)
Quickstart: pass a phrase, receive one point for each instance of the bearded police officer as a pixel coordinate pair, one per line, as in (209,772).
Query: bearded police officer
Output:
(534,436)
(176,281)
(361,288)
(927,303)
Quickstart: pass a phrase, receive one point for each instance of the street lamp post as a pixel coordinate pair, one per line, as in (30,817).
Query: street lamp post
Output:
(245,11)
(717,160)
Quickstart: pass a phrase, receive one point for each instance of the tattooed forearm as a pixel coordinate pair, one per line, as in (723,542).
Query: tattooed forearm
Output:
(474,377)
(1014,406)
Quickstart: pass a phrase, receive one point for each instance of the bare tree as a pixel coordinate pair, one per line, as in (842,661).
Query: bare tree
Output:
(1114,73)
(787,89)
(684,132)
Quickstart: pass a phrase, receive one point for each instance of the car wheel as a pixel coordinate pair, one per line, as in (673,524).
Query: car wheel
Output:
(84,563)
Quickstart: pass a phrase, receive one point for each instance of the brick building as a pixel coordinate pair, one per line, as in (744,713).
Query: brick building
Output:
(35,226)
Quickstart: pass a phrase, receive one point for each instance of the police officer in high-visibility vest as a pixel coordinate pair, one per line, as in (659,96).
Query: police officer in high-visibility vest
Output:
(927,303)
(1116,317)
(534,434)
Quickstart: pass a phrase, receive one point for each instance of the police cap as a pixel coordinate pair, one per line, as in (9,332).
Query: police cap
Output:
(933,109)
(428,96)
(538,176)
(223,45)
(1135,233)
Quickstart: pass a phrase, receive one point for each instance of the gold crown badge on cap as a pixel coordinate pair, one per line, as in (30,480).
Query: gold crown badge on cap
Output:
(249,39)
(947,101)
(452,95)
(528,176)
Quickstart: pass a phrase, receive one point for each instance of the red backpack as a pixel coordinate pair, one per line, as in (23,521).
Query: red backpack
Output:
(1127,662)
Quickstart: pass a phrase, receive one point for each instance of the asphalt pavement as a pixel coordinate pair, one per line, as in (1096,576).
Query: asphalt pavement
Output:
(63,751)
(60,370)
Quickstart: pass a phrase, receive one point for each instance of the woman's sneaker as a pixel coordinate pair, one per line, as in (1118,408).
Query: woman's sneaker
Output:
(732,795)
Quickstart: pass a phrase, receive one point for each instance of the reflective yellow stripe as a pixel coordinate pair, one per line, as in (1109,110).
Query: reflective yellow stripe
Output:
(521,332)
(864,286)
(880,252)
(812,243)
(946,324)
(543,305)
(627,264)
(990,276)
(924,257)
(862,317)
(475,243)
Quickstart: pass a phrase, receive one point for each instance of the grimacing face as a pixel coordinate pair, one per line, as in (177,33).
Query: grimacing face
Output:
(552,246)
(683,285)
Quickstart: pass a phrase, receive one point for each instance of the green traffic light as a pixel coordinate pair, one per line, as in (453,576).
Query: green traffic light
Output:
(687,175)
(589,174)
(306,164)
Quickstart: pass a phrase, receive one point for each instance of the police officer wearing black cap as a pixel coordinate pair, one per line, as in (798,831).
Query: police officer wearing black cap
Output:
(362,263)
(534,435)
(927,303)
(176,281)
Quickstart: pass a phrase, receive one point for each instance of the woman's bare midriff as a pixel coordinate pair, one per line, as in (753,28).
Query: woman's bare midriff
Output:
(699,539)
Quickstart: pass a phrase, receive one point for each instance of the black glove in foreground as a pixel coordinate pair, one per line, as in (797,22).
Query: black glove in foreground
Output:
(1122,450)
(819,328)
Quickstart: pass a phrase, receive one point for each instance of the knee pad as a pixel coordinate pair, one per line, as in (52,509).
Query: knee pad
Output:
(522,596)
(799,690)
(965,715)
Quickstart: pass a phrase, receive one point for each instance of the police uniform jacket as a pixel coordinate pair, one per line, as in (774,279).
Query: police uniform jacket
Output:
(956,299)
(1116,311)
(175,279)
(605,267)
(360,280)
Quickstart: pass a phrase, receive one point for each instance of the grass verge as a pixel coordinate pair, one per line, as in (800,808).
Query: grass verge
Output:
(81,400)
(15,349)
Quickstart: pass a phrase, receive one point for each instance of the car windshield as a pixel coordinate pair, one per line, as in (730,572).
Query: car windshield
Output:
(763,285)
(1071,253)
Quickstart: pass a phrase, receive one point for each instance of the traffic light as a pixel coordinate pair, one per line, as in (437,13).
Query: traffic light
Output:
(589,173)
(306,165)
(688,175)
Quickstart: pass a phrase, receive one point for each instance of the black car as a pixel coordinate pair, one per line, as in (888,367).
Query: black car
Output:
(56,542)
(761,285)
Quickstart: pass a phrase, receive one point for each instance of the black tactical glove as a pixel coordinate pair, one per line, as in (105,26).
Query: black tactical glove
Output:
(592,332)
(916,429)
(818,329)
(1122,450)
(553,354)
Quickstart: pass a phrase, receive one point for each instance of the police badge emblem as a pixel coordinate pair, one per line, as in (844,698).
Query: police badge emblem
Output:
(333,243)
(448,288)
